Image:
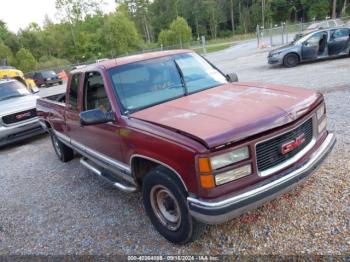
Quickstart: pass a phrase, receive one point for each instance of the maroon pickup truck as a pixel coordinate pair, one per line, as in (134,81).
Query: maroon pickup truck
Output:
(202,147)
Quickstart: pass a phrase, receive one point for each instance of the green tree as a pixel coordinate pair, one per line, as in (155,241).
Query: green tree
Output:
(163,13)
(6,54)
(166,37)
(119,34)
(140,13)
(181,30)
(25,60)
(178,33)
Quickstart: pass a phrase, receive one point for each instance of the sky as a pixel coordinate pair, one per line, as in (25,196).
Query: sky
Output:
(20,13)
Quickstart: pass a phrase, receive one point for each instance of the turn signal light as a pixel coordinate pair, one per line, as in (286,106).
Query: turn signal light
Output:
(204,165)
(207,181)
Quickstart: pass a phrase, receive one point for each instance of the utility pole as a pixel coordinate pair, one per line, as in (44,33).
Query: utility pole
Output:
(232,18)
(334,12)
(263,3)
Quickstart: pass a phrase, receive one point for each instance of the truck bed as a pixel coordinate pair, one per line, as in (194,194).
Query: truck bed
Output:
(51,108)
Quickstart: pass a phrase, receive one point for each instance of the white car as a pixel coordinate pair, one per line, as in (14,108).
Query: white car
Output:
(18,119)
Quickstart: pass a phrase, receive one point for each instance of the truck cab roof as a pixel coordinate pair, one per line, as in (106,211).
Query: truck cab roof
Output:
(110,63)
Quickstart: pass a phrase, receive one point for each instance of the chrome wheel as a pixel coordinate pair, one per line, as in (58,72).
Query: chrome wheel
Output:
(165,207)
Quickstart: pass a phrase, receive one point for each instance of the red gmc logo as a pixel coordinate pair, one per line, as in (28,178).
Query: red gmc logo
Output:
(20,116)
(292,145)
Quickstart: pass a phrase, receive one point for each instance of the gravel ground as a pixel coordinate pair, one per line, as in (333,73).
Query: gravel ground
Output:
(47,207)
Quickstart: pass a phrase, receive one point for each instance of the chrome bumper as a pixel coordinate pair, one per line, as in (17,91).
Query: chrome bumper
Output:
(220,211)
(17,132)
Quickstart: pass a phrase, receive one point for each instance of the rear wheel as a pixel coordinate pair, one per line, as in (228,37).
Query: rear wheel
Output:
(165,202)
(291,60)
(63,152)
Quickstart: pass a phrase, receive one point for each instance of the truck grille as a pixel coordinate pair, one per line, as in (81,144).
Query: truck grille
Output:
(19,117)
(269,153)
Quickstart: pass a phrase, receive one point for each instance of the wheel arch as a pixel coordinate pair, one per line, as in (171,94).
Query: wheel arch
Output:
(293,53)
(141,165)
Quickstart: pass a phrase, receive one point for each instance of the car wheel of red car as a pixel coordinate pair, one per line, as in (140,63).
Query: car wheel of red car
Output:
(63,152)
(165,202)
(291,60)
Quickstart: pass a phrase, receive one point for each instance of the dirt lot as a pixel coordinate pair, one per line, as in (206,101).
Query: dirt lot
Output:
(47,207)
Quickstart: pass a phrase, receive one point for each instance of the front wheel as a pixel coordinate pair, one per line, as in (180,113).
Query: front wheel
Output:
(63,152)
(291,60)
(165,202)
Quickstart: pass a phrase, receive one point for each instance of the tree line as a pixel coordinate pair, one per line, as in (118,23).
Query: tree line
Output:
(85,33)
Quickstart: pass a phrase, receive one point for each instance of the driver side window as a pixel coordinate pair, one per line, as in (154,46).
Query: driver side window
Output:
(95,95)
(314,40)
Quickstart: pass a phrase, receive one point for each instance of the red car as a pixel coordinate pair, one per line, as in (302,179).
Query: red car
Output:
(201,148)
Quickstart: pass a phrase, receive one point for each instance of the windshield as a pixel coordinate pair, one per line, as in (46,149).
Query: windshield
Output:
(12,89)
(147,83)
(304,38)
(48,74)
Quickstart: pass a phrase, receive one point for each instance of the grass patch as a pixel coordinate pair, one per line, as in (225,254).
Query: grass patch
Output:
(213,48)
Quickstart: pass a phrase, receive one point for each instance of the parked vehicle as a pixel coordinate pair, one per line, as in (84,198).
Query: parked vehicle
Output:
(202,148)
(47,78)
(18,118)
(328,43)
(11,72)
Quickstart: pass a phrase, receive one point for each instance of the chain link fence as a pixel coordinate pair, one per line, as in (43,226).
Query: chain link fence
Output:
(285,32)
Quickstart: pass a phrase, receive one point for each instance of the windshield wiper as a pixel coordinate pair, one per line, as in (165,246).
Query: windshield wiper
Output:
(9,97)
(182,78)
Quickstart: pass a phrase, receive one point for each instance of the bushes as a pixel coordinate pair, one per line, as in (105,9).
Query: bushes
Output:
(25,60)
(46,62)
(178,33)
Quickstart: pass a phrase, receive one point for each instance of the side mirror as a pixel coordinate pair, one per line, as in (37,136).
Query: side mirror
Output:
(306,43)
(96,116)
(232,77)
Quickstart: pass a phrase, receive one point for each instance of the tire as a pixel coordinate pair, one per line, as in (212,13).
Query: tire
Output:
(291,60)
(60,83)
(165,202)
(63,152)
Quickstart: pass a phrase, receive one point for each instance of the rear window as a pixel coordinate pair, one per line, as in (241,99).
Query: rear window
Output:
(48,74)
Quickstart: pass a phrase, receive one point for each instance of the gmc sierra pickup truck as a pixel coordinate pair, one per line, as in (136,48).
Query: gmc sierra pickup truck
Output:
(202,147)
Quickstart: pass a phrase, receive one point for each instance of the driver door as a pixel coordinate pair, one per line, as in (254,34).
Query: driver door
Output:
(101,141)
(311,46)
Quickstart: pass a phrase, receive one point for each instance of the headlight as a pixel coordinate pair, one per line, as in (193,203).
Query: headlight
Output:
(234,174)
(321,111)
(322,126)
(235,156)
(321,118)
(275,54)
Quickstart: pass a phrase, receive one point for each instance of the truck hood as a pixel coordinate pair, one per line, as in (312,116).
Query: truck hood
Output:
(17,104)
(231,112)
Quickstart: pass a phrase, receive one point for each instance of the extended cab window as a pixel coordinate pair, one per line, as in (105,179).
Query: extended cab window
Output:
(95,95)
(73,92)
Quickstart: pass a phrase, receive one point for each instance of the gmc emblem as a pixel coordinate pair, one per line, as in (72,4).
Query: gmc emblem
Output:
(292,145)
(20,116)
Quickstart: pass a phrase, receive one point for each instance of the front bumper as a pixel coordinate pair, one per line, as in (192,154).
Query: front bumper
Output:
(13,133)
(275,60)
(219,211)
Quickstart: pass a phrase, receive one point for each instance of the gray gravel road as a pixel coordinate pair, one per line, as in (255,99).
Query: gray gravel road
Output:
(47,207)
